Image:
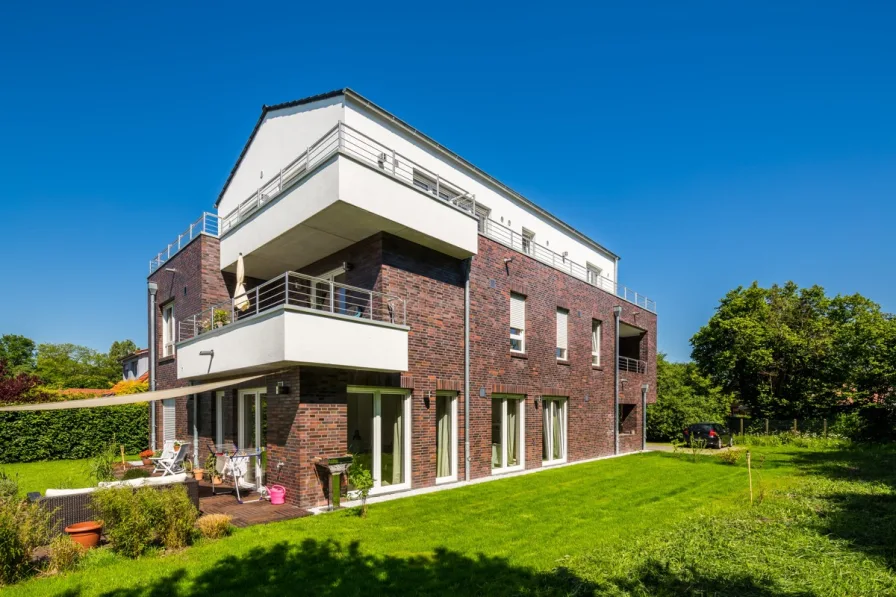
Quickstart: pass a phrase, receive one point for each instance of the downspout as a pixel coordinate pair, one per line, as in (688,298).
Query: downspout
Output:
(468,264)
(617,311)
(196,430)
(644,389)
(153,288)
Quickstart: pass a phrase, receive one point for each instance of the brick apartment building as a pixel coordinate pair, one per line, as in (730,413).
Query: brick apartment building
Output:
(401,305)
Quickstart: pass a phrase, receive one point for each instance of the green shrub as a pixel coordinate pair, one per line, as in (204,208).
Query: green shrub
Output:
(360,478)
(65,554)
(135,473)
(30,436)
(214,526)
(102,466)
(730,456)
(797,439)
(23,527)
(9,487)
(138,520)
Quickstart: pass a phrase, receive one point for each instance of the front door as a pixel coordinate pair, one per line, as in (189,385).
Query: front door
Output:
(251,429)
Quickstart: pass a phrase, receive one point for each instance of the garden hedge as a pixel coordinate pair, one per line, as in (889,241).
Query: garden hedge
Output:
(29,436)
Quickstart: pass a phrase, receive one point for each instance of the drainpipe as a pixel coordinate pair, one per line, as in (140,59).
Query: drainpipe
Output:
(153,356)
(195,430)
(468,264)
(644,388)
(617,311)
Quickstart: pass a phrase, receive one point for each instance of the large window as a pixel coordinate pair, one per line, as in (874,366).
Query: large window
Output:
(562,342)
(446,437)
(378,428)
(553,449)
(595,342)
(517,323)
(508,433)
(168,327)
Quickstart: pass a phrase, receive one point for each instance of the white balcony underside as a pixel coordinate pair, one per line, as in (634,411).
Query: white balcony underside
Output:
(288,336)
(337,205)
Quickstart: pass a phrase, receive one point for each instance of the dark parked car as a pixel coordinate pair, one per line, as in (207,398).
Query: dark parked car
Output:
(714,434)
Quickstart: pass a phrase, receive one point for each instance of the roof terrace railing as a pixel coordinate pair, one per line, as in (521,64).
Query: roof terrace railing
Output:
(208,223)
(348,141)
(518,242)
(297,290)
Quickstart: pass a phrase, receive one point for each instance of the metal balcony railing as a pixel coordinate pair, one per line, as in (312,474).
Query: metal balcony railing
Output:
(632,365)
(297,290)
(207,224)
(348,141)
(517,242)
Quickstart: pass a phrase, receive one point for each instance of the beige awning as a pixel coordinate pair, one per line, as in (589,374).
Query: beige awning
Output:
(134,398)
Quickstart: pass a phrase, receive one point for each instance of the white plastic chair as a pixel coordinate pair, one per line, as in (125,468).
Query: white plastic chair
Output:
(173,466)
(167,454)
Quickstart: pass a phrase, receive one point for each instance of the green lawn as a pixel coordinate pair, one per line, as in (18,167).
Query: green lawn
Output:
(824,523)
(57,474)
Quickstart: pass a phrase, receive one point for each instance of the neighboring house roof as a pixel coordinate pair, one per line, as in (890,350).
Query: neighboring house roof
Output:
(140,352)
(420,135)
(84,392)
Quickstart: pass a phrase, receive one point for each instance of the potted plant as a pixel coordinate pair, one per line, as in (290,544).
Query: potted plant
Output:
(146,456)
(211,465)
(86,533)
(197,472)
(221,318)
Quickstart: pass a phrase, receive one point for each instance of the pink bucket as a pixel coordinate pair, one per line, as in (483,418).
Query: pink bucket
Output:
(278,493)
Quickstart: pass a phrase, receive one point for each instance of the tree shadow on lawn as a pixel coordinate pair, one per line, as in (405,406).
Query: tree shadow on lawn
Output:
(324,569)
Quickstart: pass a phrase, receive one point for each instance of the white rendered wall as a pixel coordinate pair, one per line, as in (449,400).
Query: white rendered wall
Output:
(282,137)
(502,205)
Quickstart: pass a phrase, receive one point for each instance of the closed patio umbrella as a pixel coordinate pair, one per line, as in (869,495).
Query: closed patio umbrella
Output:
(240,300)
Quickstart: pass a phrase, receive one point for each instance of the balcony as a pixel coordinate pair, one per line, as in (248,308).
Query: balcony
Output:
(632,365)
(295,319)
(514,240)
(343,189)
(206,224)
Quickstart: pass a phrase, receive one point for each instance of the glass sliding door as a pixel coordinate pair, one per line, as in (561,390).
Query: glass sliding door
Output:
(378,433)
(250,426)
(446,437)
(508,433)
(553,449)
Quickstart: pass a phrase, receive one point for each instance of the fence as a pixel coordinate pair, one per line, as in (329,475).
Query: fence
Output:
(758,426)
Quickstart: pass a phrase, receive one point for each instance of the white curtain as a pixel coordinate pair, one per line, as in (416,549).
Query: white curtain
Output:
(443,436)
(397,440)
(512,429)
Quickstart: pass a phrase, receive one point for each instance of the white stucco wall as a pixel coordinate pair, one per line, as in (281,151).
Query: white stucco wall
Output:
(515,215)
(282,137)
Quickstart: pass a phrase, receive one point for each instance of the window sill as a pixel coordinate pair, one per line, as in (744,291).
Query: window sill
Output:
(168,359)
(446,480)
(597,367)
(519,355)
(563,362)
(511,469)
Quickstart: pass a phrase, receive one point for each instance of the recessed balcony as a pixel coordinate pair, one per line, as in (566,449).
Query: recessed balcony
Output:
(343,189)
(295,319)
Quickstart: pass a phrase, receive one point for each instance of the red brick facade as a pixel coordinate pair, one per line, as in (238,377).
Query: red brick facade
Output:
(310,421)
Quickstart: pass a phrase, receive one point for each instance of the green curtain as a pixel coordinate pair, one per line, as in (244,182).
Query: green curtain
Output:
(397,444)
(512,430)
(558,430)
(443,436)
(545,429)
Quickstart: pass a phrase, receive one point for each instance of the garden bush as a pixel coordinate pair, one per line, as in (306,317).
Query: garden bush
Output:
(29,436)
(730,456)
(65,554)
(138,520)
(135,473)
(24,526)
(214,526)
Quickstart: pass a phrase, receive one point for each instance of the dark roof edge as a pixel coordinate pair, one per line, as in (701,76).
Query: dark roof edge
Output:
(264,111)
(366,103)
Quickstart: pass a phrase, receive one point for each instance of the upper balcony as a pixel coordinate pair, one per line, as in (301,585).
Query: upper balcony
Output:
(343,189)
(207,224)
(291,320)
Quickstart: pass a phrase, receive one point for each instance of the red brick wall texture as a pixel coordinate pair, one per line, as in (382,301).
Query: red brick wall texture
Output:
(310,421)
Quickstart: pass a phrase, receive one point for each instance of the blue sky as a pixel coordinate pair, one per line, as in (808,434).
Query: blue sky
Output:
(708,144)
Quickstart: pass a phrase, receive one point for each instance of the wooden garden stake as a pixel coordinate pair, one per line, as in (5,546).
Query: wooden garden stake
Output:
(122,454)
(750,475)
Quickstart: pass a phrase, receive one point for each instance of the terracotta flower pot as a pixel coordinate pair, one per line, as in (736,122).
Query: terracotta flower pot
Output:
(216,480)
(146,461)
(198,473)
(85,533)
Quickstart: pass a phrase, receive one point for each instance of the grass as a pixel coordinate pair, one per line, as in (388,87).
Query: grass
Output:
(56,474)
(824,523)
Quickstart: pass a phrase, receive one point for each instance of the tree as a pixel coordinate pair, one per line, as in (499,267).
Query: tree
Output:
(16,388)
(18,352)
(120,350)
(790,352)
(72,366)
(683,397)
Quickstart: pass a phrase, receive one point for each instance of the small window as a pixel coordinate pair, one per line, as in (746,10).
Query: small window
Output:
(562,324)
(434,186)
(528,242)
(627,421)
(168,330)
(482,213)
(595,342)
(517,323)
(593,274)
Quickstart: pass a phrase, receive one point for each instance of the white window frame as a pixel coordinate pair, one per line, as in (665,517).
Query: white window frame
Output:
(528,243)
(597,329)
(378,393)
(552,403)
(521,421)
(241,428)
(219,417)
(452,396)
(521,334)
(562,351)
(337,301)
(483,213)
(169,324)
(593,274)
